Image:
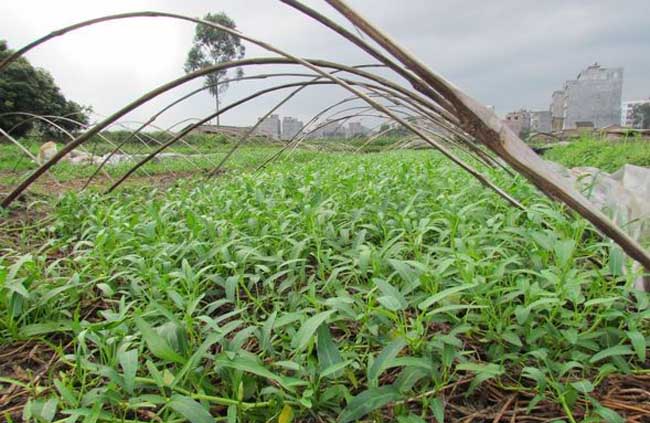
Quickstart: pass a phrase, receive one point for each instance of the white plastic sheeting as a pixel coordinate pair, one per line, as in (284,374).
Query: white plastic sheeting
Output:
(80,158)
(623,195)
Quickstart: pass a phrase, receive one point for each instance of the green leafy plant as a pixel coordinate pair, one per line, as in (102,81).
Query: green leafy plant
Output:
(344,287)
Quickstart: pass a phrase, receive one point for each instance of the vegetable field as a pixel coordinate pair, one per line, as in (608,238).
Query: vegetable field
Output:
(608,156)
(378,287)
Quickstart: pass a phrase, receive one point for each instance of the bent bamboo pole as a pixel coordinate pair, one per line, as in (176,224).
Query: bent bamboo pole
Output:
(484,125)
(200,122)
(448,101)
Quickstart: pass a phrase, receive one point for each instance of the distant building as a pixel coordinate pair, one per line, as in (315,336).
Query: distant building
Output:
(627,112)
(270,127)
(518,122)
(593,99)
(333,129)
(314,132)
(541,121)
(290,127)
(356,129)
(557,111)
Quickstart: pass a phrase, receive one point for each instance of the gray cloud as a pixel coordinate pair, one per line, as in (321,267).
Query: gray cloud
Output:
(509,53)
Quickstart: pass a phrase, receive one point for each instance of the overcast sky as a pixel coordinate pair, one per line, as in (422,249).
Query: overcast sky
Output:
(506,53)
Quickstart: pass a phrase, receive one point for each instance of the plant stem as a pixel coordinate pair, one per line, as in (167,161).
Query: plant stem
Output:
(209,398)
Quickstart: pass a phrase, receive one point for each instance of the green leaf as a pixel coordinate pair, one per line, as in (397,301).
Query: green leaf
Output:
(190,409)
(231,414)
(146,400)
(521,313)
(543,302)
(249,365)
(392,299)
(411,418)
(406,271)
(583,386)
(328,353)
(14,268)
(616,260)
(564,251)
(155,373)
(453,308)
(266,331)
(533,403)
(156,343)
(442,295)
(49,409)
(437,407)
(168,377)
(94,414)
(65,393)
(638,343)
(570,335)
(512,338)
(483,369)
(129,362)
(37,329)
(610,352)
(543,240)
(409,377)
(422,363)
(569,365)
(601,301)
(335,369)
(193,362)
(231,288)
(536,375)
(391,303)
(383,359)
(609,415)
(307,330)
(367,401)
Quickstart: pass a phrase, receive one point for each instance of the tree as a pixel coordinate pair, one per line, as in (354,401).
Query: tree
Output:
(24,88)
(212,46)
(642,116)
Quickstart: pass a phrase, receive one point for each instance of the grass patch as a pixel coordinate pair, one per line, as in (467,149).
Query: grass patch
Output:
(605,155)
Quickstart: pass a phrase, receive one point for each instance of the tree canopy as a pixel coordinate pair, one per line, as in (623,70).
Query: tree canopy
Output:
(24,88)
(212,46)
(642,116)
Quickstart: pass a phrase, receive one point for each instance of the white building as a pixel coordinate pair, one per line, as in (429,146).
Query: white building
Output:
(627,111)
(540,121)
(333,129)
(290,127)
(270,127)
(591,100)
(356,129)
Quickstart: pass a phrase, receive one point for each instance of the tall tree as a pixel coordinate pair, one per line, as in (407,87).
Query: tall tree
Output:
(212,46)
(24,88)
(642,116)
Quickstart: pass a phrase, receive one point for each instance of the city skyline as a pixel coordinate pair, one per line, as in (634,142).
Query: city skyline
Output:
(288,127)
(592,99)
